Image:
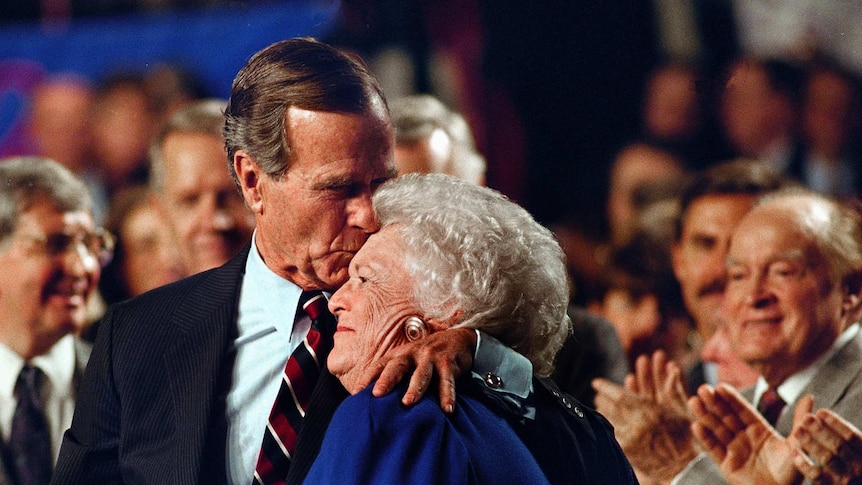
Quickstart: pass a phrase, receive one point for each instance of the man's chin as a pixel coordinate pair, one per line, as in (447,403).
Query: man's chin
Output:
(65,324)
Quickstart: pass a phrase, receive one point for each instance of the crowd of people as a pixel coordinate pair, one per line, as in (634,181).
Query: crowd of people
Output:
(276,295)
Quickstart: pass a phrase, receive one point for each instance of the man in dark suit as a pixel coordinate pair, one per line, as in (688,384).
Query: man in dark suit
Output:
(183,379)
(50,262)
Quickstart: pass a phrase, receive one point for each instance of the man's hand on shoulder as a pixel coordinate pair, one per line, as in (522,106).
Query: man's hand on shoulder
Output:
(448,353)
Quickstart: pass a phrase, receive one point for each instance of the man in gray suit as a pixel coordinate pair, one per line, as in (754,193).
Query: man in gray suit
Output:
(50,262)
(792,307)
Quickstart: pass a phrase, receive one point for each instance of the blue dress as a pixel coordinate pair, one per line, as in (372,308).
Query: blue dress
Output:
(380,441)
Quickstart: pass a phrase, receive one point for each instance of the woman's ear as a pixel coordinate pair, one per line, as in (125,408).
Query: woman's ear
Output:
(250,176)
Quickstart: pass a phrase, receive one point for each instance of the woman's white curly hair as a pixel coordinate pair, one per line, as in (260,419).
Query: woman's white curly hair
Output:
(472,250)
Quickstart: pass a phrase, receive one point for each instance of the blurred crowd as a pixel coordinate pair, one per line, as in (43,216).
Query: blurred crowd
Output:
(685,139)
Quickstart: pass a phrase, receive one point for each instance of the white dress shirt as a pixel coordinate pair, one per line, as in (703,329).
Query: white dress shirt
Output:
(266,338)
(57,389)
(791,389)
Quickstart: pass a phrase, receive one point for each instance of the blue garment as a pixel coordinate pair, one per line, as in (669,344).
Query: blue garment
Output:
(380,441)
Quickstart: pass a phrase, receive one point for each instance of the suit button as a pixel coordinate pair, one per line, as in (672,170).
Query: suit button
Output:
(579,412)
(493,381)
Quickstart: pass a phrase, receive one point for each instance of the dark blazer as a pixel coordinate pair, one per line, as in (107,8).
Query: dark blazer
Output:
(151,406)
(571,442)
(82,354)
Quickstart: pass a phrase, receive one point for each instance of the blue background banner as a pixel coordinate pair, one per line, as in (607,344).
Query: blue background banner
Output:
(212,43)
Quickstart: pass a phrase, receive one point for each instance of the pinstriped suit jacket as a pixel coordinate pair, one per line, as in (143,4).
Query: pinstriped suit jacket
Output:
(152,402)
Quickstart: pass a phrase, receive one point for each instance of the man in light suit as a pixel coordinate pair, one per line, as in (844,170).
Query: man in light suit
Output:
(50,262)
(792,307)
(182,379)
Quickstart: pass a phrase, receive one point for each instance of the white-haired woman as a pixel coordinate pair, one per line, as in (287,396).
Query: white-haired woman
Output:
(452,254)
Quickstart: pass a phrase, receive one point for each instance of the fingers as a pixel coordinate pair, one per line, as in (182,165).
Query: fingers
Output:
(612,400)
(844,429)
(670,389)
(447,394)
(831,442)
(419,383)
(449,353)
(709,429)
(736,411)
(800,413)
(716,412)
(644,377)
(369,373)
(807,467)
(607,389)
(393,372)
(631,383)
(708,441)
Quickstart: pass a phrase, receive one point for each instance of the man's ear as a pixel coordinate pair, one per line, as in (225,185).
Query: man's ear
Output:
(851,305)
(250,176)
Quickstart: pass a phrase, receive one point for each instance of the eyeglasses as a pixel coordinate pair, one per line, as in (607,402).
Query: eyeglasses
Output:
(98,243)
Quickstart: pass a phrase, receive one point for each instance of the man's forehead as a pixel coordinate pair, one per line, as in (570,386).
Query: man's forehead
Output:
(729,207)
(46,214)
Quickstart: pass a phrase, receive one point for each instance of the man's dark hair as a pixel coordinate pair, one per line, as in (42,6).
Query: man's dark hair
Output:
(736,177)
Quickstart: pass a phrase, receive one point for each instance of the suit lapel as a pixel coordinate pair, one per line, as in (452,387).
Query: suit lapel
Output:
(199,363)
(325,399)
(830,383)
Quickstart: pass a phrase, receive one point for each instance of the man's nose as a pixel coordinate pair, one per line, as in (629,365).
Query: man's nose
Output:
(361,213)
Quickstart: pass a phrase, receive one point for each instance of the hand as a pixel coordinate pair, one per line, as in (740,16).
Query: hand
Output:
(650,417)
(743,444)
(450,352)
(832,442)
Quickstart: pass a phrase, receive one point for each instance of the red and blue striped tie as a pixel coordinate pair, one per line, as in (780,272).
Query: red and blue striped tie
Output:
(300,375)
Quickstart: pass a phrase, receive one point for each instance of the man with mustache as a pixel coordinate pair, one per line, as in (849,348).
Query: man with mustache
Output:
(652,427)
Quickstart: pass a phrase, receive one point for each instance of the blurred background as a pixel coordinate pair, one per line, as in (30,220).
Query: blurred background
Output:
(554,90)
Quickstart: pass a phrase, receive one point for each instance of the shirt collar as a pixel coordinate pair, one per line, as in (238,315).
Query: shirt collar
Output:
(267,301)
(792,387)
(58,365)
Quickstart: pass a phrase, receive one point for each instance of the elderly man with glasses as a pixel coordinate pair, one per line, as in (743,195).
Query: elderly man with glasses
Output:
(51,256)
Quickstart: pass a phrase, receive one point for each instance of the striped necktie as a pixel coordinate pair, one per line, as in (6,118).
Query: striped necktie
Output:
(30,442)
(300,375)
